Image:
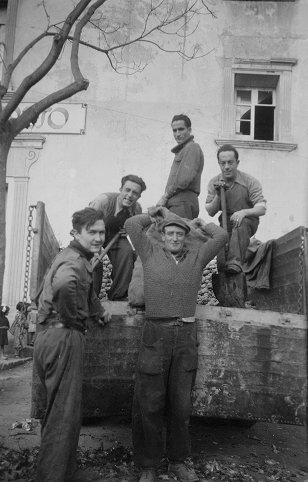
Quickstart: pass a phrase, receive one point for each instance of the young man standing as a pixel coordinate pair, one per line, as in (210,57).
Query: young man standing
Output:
(168,355)
(117,207)
(66,303)
(245,204)
(183,185)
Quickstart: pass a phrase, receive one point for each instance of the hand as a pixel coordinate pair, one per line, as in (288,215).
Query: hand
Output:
(163,201)
(198,223)
(237,218)
(156,212)
(122,232)
(218,185)
(105,319)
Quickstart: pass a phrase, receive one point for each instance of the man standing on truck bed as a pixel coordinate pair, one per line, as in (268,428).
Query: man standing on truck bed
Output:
(66,303)
(167,362)
(117,207)
(245,204)
(183,185)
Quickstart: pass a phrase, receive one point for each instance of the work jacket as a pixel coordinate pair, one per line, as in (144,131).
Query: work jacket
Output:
(68,293)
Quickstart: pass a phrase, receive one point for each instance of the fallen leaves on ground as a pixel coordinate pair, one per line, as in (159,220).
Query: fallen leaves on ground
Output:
(116,464)
(17,464)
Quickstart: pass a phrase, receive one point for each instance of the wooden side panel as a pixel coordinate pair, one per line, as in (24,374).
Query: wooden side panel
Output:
(252,365)
(45,247)
(287,277)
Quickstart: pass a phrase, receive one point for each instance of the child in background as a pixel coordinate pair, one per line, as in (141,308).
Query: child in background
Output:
(19,328)
(4,326)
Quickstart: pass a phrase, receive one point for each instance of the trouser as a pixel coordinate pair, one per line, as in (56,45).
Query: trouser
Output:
(58,361)
(165,375)
(239,238)
(185,204)
(122,258)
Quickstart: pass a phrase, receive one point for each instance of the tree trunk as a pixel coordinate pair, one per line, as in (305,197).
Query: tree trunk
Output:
(5,144)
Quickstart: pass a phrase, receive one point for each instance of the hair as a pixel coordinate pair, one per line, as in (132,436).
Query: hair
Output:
(228,148)
(85,218)
(133,178)
(182,117)
(22,306)
(5,309)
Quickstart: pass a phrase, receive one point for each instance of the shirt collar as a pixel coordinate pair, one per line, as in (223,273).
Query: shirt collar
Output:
(118,208)
(238,179)
(178,147)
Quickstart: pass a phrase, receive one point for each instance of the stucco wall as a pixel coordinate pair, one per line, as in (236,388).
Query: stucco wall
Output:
(128,117)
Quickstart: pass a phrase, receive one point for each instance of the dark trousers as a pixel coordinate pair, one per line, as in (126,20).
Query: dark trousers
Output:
(185,204)
(122,258)
(165,375)
(239,239)
(58,360)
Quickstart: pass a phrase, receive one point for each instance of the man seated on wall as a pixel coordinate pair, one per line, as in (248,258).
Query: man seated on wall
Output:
(245,204)
(117,207)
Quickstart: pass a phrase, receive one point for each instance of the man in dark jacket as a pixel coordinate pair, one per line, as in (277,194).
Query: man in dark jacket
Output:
(183,185)
(66,303)
(167,362)
(117,207)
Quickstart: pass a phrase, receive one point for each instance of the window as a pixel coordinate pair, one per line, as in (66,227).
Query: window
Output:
(257,104)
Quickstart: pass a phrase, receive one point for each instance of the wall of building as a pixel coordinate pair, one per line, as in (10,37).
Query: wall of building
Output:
(128,116)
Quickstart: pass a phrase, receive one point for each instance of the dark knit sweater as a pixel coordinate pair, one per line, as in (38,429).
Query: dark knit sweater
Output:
(171,289)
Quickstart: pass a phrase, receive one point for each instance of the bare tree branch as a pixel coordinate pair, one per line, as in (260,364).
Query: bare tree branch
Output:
(167,20)
(10,68)
(76,39)
(58,41)
(31,114)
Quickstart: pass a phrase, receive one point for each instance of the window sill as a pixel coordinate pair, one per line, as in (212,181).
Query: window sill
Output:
(270,145)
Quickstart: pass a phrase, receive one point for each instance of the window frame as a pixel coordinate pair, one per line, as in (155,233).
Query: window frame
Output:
(253,104)
(281,69)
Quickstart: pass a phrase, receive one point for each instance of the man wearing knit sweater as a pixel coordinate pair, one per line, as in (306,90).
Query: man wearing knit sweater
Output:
(183,185)
(117,207)
(168,354)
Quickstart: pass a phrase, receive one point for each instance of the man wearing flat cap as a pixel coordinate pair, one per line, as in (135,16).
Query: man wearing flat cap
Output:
(167,361)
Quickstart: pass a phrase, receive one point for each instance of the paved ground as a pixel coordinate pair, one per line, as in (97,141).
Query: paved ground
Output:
(261,445)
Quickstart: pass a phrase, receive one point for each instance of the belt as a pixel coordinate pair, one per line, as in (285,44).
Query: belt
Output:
(55,323)
(176,321)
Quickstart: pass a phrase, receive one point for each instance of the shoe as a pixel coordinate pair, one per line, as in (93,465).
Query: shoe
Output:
(148,475)
(233,269)
(183,471)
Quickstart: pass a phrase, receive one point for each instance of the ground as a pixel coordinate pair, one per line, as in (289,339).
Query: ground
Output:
(221,451)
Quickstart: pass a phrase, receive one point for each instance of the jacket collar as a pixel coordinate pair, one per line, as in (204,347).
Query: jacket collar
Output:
(81,250)
(178,147)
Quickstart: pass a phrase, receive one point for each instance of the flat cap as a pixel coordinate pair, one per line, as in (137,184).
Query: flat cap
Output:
(176,222)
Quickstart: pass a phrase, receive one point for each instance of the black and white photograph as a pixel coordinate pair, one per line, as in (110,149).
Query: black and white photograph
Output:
(153,240)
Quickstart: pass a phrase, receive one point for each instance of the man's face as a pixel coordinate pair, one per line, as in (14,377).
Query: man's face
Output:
(228,165)
(174,238)
(180,132)
(130,192)
(93,237)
